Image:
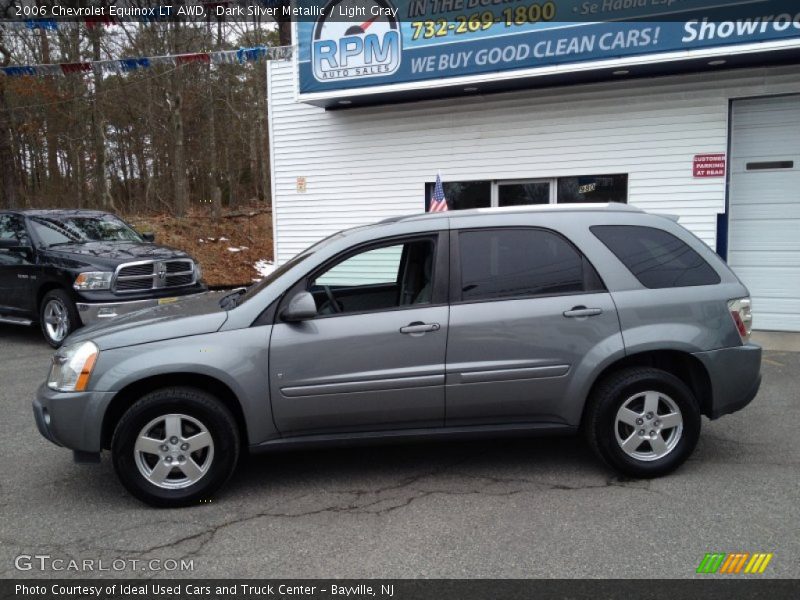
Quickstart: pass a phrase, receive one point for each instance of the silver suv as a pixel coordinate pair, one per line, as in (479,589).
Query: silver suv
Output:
(514,321)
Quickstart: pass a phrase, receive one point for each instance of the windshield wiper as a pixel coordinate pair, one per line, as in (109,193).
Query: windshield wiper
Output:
(231,299)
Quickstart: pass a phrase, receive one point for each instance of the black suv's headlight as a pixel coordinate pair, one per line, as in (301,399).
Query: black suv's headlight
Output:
(72,366)
(93,280)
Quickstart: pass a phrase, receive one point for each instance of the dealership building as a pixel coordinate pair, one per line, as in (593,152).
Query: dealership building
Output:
(695,117)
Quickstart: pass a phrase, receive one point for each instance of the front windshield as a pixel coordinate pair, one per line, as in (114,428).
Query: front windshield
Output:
(257,287)
(53,230)
(297,259)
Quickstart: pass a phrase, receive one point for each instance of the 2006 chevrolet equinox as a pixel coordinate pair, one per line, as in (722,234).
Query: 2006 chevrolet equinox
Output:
(530,320)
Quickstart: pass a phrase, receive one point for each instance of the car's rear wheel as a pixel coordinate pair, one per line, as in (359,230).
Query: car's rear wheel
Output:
(58,317)
(175,447)
(643,422)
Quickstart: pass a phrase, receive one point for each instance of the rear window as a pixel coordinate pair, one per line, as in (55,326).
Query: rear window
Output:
(656,258)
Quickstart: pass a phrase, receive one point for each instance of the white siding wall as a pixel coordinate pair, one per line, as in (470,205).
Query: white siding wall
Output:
(365,164)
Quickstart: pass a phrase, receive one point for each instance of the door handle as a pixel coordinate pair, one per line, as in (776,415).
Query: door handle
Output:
(582,311)
(420,327)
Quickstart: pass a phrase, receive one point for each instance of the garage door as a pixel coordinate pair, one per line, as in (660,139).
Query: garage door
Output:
(764,212)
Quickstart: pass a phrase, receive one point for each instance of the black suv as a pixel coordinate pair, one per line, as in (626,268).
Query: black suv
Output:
(67,268)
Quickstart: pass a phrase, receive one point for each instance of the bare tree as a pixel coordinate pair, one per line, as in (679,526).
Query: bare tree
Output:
(7,168)
(284,24)
(163,138)
(102,199)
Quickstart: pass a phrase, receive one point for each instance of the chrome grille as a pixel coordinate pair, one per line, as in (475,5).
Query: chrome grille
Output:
(134,284)
(134,270)
(154,275)
(176,280)
(175,267)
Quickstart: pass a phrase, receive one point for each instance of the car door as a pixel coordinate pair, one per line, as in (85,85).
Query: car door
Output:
(527,310)
(373,357)
(17,272)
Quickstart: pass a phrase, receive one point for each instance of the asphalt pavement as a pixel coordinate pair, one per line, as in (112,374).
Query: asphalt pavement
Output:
(515,508)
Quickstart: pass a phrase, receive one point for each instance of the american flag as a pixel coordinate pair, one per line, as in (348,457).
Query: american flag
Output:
(438,201)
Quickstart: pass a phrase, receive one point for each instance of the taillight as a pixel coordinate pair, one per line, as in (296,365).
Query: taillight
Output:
(742,316)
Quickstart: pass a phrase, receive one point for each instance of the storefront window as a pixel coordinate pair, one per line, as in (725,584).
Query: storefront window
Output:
(593,188)
(463,194)
(516,194)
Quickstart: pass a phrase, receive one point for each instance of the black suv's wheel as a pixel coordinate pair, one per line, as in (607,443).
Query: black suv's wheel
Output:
(175,447)
(58,317)
(643,422)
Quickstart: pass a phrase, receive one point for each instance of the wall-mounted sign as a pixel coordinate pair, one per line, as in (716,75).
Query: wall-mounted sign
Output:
(374,46)
(301,185)
(708,165)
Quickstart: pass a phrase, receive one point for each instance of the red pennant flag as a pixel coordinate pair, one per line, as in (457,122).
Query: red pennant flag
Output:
(201,57)
(81,67)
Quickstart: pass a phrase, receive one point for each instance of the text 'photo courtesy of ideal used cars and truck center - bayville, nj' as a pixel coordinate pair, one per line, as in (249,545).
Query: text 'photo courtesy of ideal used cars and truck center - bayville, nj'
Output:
(399,299)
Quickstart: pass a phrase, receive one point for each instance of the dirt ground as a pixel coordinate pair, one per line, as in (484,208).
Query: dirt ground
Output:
(227,248)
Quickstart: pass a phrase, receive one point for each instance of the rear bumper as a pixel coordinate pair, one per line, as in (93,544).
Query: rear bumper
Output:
(94,312)
(735,377)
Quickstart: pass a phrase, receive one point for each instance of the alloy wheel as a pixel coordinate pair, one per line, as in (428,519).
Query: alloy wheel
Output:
(56,320)
(174,451)
(648,425)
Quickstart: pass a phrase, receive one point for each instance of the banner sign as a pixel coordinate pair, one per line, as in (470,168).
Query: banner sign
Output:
(127,65)
(350,45)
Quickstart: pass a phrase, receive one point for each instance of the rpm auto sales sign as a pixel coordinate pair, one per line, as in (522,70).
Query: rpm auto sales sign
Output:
(368,44)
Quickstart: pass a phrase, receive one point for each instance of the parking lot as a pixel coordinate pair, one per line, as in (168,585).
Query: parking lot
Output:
(514,508)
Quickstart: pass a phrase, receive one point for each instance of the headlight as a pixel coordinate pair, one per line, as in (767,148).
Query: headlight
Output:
(94,280)
(198,272)
(72,366)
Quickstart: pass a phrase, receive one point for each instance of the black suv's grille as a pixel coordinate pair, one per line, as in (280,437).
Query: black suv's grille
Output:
(154,275)
(175,280)
(176,267)
(134,284)
(134,270)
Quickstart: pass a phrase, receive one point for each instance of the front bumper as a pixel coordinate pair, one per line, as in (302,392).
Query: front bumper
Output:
(71,419)
(94,312)
(735,377)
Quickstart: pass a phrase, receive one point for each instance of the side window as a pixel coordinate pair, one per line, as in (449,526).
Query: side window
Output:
(656,258)
(378,278)
(372,267)
(509,263)
(12,229)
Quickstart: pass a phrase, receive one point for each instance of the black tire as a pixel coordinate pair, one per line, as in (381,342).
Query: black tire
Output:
(73,320)
(600,424)
(195,404)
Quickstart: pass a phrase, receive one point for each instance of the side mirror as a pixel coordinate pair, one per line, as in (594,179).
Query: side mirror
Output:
(300,308)
(14,244)
(149,236)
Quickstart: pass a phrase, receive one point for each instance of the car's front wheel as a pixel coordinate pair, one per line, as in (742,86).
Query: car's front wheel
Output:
(643,422)
(175,447)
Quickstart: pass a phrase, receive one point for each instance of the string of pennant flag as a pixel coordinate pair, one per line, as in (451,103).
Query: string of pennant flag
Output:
(127,65)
